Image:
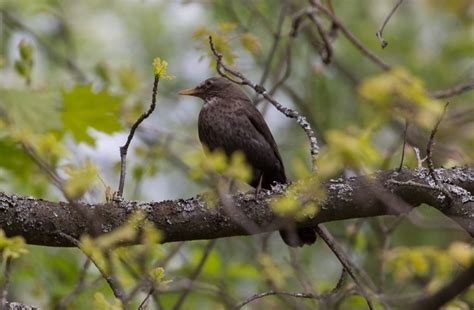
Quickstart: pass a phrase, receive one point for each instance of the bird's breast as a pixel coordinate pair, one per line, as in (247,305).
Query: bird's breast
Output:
(219,125)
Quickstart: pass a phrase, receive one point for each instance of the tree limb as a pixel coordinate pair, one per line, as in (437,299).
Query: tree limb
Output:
(45,223)
(446,293)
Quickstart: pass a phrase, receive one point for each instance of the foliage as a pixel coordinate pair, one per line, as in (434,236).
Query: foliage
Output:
(11,247)
(160,69)
(84,108)
(75,75)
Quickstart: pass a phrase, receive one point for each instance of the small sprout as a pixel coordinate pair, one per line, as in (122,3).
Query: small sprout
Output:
(160,69)
(22,68)
(49,147)
(81,179)
(151,235)
(227,26)
(251,43)
(157,274)
(13,247)
(101,303)
(309,210)
(109,194)
(398,92)
(26,50)
(24,65)
(200,32)
(285,205)
(462,253)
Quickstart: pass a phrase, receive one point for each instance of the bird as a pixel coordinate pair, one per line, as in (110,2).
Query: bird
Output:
(229,121)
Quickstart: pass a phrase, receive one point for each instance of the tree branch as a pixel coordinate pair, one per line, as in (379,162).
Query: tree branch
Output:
(454,91)
(45,223)
(379,33)
(448,292)
(271,293)
(124,148)
(351,37)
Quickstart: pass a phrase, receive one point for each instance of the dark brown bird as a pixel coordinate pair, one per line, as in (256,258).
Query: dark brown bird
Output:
(228,120)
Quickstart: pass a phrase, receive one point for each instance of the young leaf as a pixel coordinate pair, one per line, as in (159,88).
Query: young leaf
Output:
(251,43)
(81,179)
(160,68)
(37,110)
(83,109)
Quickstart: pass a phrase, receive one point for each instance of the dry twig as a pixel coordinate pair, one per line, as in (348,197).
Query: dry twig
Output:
(429,154)
(351,37)
(109,277)
(446,293)
(345,261)
(404,145)
(379,33)
(62,304)
(454,91)
(195,274)
(278,293)
(124,148)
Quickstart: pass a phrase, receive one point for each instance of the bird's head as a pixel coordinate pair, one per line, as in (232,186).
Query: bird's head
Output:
(214,87)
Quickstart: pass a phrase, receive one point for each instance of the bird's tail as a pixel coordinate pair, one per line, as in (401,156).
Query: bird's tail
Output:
(298,237)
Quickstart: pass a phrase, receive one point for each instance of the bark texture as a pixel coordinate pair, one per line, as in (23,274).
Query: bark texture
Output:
(46,223)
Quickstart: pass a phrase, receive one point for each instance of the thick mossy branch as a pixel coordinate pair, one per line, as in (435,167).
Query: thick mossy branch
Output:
(385,193)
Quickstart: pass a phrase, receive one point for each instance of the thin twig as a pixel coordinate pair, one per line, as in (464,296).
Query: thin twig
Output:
(52,54)
(441,189)
(386,234)
(300,273)
(286,61)
(351,37)
(448,292)
(270,293)
(345,261)
(404,145)
(144,303)
(429,153)
(419,160)
(114,285)
(195,274)
(276,41)
(340,282)
(124,148)
(453,91)
(6,282)
(379,33)
(77,289)
(175,250)
(142,281)
(239,78)
(55,179)
(326,39)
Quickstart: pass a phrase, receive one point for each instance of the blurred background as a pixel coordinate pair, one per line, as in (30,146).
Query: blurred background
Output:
(75,75)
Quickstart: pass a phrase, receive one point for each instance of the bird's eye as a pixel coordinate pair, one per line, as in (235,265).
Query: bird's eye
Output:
(208,83)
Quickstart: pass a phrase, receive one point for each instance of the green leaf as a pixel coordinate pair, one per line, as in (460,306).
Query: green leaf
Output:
(35,110)
(160,68)
(80,179)
(251,43)
(13,247)
(14,159)
(84,108)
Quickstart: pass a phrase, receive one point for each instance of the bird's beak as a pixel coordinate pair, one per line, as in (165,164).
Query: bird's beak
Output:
(189,92)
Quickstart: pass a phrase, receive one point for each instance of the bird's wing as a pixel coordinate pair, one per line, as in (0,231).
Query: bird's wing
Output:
(258,122)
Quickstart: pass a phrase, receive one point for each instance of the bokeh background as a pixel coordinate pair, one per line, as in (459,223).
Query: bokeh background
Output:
(90,75)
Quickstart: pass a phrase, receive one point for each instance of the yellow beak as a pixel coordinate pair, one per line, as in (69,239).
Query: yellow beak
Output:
(189,92)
